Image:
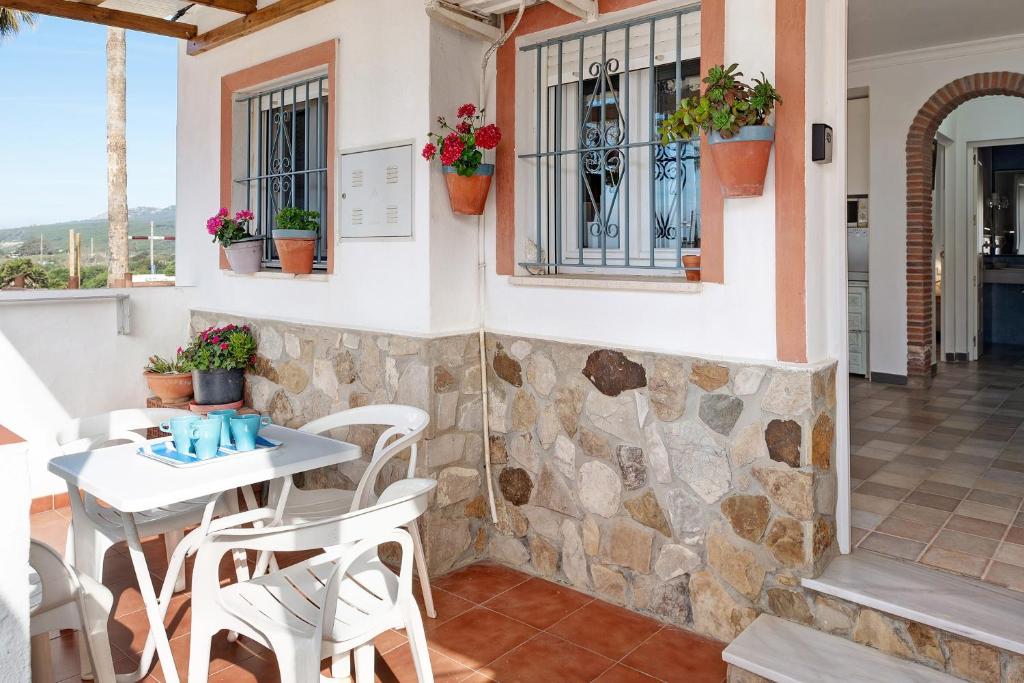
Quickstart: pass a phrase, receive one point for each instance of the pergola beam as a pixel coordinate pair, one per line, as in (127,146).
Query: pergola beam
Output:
(237,6)
(107,17)
(250,23)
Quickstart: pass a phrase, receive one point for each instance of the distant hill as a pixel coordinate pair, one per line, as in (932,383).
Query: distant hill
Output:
(26,240)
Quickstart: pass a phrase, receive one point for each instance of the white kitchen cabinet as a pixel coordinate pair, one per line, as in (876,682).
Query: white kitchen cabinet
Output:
(857,326)
(858,146)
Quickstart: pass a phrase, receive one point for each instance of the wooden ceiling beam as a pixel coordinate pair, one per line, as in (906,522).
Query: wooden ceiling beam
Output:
(102,15)
(237,6)
(250,23)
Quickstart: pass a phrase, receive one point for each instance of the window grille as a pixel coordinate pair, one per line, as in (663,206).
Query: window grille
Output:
(601,190)
(284,157)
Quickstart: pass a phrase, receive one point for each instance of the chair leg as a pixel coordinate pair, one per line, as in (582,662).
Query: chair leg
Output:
(421,569)
(199,655)
(297,662)
(364,655)
(171,541)
(418,644)
(341,665)
(90,551)
(94,634)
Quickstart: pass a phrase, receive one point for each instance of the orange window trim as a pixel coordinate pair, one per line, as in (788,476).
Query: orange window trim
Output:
(790,183)
(324,54)
(545,16)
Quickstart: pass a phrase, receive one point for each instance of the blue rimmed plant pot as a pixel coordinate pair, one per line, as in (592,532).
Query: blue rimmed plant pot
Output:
(245,256)
(468,194)
(742,160)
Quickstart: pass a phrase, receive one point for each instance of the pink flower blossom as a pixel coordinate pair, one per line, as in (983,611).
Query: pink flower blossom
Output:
(245,215)
(223,212)
(224,346)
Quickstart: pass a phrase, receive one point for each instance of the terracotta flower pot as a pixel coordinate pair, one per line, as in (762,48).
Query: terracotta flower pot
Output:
(245,256)
(295,249)
(173,387)
(468,194)
(692,261)
(742,160)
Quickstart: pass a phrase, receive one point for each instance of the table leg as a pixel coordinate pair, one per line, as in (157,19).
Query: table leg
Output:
(156,616)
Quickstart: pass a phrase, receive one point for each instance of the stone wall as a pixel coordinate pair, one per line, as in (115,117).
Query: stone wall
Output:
(303,372)
(695,491)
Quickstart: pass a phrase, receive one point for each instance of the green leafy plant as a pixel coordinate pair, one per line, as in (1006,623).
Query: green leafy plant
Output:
(16,269)
(294,218)
(726,105)
(162,366)
(220,348)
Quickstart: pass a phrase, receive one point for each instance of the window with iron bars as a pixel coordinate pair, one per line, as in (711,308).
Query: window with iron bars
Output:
(600,190)
(283,157)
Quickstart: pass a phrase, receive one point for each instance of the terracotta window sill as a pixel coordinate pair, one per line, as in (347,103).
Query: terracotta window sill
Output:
(620,282)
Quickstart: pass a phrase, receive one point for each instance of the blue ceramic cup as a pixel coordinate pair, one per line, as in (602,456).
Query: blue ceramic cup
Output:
(180,430)
(225,430)
(244,429)
(206,436)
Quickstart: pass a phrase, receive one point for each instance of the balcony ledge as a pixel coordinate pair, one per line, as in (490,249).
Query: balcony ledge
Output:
(638,283)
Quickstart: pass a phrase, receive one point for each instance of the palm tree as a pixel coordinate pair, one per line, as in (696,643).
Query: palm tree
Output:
(11,21)
(117,159)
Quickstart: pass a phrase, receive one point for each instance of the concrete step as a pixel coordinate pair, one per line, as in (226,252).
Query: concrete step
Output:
(787,652)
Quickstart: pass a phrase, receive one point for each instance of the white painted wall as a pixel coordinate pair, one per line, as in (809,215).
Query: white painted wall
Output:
(899,85)
(65,359)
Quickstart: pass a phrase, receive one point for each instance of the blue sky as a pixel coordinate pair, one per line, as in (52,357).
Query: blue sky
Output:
(53,120)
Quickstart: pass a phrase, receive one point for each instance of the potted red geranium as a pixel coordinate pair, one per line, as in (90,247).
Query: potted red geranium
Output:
(467,177)
(217,358)
(244,250)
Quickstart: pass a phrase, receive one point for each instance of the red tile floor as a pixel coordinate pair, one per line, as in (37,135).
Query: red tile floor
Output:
(493,624)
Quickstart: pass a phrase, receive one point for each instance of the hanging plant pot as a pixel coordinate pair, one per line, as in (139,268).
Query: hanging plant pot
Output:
(245,256)
(468,194)
(218,386)
(742,160)
(295,249)
(692,264)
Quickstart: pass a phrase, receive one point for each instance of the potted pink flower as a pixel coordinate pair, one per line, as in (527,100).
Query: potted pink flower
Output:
(467,177)
(244,250)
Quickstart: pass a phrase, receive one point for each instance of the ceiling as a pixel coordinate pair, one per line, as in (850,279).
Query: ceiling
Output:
(878,27)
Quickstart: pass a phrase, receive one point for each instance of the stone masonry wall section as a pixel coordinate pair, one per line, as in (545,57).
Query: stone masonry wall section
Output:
(698,492)
(304,372)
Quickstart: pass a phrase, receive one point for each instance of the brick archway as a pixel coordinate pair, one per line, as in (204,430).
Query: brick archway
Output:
(920,332)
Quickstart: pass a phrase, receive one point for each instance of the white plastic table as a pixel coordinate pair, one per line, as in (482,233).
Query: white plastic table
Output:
(132,483)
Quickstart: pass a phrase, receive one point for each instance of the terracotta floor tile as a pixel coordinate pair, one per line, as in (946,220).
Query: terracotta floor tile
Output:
(970,508)
(978,527)
(954,561)
(447,605)
(1007,575)
(253,670)
(480,582)
(606,629)
(676,655)
(222,655)
(942,489)
(892,546)
(1015,535)
(397,666)
(1010,553)
(966,543)
(539,603)
(547,658)
(623,674)
(1001,500)
(931,500)
(882,490)
(905,528)
(479,636)
(879,506)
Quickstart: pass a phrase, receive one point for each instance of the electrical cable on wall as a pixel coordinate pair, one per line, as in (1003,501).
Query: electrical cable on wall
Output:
(482,275)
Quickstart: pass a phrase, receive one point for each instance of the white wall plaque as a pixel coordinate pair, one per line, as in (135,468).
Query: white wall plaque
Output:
(376,192)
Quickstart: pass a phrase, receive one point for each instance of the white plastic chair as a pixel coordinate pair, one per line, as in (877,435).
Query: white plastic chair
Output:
(64,599)
(301,505)
(326,606)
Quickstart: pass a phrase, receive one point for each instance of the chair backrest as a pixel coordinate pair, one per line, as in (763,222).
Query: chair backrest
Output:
(405,422)
(84,433)
(58,583)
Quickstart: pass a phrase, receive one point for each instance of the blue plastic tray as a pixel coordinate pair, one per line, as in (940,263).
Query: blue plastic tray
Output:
(163,451)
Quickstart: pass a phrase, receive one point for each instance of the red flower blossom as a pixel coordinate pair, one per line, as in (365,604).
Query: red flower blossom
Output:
(488,136)
(224,346)
(452,149)
(463,127)
(466,110)
(429,150)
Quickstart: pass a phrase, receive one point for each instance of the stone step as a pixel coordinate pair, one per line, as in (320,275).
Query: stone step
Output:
(955,604)
(786,652)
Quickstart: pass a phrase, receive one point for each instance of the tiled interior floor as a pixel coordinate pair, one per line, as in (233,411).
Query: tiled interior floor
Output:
(938,474)
(494,624)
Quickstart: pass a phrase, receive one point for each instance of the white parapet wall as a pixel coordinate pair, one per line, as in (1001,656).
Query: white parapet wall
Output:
(63,356)
(14,506)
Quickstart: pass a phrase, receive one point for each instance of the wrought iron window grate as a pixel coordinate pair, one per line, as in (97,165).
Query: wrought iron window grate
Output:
(600,188)
(284,161)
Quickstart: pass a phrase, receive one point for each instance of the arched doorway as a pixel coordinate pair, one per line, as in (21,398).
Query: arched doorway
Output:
(920,324)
